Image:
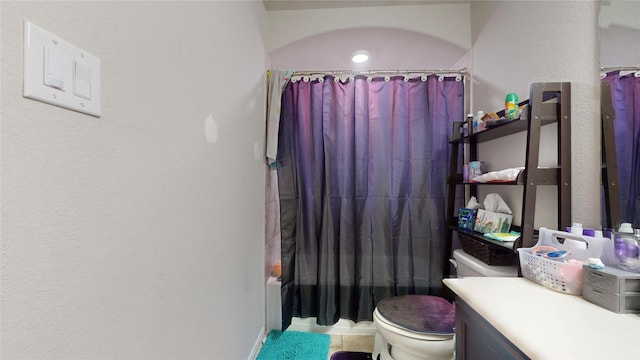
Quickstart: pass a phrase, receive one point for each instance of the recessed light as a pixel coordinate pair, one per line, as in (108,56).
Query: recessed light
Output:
(360,56)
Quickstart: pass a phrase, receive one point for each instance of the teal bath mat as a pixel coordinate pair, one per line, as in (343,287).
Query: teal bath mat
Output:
(295,345)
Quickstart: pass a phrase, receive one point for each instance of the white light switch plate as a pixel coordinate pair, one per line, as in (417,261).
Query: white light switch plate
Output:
(51,72)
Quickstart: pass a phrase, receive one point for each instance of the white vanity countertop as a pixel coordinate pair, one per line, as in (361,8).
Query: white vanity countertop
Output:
(545,324)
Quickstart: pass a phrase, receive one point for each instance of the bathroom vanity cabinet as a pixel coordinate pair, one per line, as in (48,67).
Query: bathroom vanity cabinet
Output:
(515,318)
(476,338)
(549,102)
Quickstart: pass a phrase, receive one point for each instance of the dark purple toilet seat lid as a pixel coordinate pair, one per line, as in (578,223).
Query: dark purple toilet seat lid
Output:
(421,313)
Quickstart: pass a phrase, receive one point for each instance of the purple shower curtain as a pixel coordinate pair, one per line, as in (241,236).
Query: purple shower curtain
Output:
(362,168)
(625,97)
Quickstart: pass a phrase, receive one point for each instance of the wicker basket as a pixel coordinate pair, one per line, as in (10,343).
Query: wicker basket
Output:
(486,253)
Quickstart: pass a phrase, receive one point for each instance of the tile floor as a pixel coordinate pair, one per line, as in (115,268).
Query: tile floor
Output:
(362,343)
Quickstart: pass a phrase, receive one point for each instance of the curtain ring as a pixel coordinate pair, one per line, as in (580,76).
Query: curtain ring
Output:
(352,78)
(387,78)
(406,79)
(459,78)
(336,79)
(423,78)
(603,75)
(293,80)
(321,79)
(305,79)
(440,78)
(369,79)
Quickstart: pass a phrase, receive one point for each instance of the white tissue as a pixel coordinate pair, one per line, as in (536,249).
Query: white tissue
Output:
(473,203)
(498,176)
(493,202)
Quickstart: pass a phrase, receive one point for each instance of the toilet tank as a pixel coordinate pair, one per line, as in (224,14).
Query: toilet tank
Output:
(467,265)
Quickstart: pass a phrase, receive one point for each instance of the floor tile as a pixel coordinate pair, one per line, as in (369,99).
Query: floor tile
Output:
(362,343)
(335,345)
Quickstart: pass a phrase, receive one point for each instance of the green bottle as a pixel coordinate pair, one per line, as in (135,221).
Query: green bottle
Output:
(511,106)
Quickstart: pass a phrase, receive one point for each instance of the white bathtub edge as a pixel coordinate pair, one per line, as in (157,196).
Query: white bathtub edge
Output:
(274,316)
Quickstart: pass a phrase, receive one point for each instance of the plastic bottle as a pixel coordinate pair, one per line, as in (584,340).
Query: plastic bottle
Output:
(511,106)
(625,228)
(635,247)
(627,249)
(477,122)
(576,228)
(620,249)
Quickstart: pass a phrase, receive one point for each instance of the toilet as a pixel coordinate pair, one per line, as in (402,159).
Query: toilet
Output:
(418,327)
(469,266)
(412,327)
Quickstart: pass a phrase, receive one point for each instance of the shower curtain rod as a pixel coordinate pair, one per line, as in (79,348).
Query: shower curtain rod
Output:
(620,68)
(462,71)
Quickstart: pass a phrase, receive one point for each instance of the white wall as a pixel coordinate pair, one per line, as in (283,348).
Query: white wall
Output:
(135,235)
(516,43)
(620,33)
(435,36)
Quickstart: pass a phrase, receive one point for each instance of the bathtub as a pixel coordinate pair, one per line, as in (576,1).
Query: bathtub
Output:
(274,317)
(274,305)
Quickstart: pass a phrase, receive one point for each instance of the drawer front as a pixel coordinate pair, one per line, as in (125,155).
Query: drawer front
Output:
(606,282)
(597,296)
(625,303)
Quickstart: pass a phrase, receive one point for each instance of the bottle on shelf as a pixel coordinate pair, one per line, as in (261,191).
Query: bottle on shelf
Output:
(478,124)
(511,106)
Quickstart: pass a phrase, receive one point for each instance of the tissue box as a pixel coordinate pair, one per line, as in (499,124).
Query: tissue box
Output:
(467,218)
(492,222)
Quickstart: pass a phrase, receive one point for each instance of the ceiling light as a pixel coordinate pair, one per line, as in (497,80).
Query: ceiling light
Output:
(360,56)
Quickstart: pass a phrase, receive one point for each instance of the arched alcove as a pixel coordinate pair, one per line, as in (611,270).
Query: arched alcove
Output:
(389,48)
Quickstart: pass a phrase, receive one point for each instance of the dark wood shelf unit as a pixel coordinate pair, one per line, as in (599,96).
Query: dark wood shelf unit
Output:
(546,176)
(612,211)
(549,102)
(478,236)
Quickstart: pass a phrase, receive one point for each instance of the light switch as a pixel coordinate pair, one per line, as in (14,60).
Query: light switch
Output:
(81,80)
(59,73)
(55,64)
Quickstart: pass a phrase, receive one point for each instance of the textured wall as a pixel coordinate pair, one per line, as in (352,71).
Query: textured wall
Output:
(434,36)
(619,33)
(139,234)
(448,22)
(516,43)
